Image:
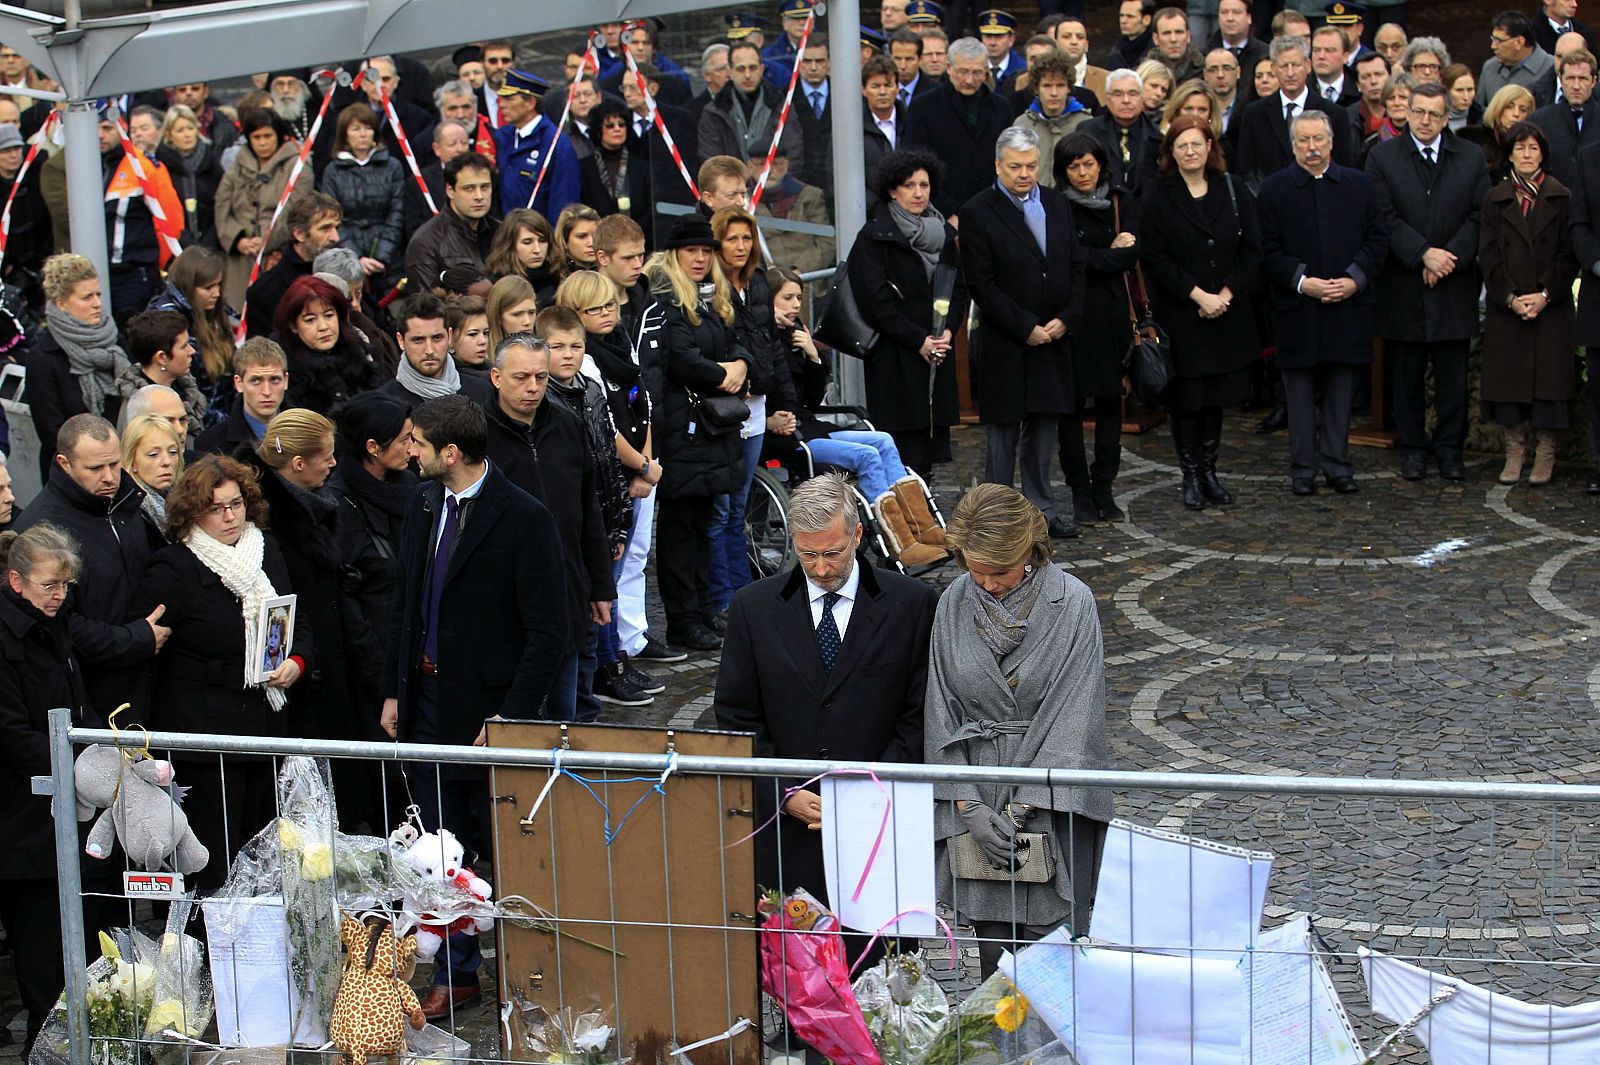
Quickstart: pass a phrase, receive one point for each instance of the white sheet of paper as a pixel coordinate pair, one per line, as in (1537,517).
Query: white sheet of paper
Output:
(1294,1016)
(1164,892)
(901,878)
(1478,1026)
(1119,1007)
(250,971)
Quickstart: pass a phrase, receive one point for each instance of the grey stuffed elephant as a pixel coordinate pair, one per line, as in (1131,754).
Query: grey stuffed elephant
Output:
(138,808)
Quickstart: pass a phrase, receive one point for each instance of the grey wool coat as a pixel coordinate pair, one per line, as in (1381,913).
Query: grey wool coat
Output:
(1054,716)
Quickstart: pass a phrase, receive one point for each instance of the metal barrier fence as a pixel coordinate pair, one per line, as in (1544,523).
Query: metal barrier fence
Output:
(1421,896)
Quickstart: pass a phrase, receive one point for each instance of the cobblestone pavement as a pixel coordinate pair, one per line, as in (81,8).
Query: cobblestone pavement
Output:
(1429,630)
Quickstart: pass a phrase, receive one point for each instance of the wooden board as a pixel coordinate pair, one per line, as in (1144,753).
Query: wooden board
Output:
(668,896)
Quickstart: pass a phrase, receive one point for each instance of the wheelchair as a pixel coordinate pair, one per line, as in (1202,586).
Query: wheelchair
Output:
(768,542)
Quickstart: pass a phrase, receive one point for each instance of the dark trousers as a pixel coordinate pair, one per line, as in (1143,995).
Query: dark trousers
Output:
(920,449)
(1592,368)
(1410,361)
(1075,467)
(1320,443)
(30,913)
(1032,441)
(229,801)
(588,707)
(683,559)
(456,798)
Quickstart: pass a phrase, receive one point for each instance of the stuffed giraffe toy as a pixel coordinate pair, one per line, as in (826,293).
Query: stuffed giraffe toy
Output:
(374,1001)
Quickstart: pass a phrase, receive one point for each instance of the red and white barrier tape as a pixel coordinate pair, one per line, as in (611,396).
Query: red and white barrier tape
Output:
(288,188)
(661,125)
(405,149)
(27,162)
(167,230)
(566,109)
(783,116)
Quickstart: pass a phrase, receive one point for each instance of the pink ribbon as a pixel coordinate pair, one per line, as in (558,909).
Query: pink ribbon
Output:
(883,826)
(949,936)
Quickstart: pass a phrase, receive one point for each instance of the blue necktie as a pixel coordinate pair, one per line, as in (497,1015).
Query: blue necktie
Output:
(441,562)
(816,103)
(1033,211)
(828,632)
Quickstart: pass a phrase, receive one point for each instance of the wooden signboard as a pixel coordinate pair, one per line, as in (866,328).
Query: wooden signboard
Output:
(657,928)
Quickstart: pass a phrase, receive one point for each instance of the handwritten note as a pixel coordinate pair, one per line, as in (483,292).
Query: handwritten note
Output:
(1120,1007)
(249,942)
(1295,1016)
(1165,892)
(901,875)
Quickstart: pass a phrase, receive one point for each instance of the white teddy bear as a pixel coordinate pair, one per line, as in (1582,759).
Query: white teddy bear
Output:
(439,857)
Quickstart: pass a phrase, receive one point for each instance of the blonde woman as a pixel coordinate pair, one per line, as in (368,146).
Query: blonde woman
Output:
(1158,85)
(700,458)
(74,365)
(152,453)
(575,237)
(1512,104)
(1016,677)
(196,168)
(1193,99)
(511,308)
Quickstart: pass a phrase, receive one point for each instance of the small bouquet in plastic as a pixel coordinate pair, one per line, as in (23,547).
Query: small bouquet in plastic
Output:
(569,1036)
(803,967)
(904,1007)
(995,1026)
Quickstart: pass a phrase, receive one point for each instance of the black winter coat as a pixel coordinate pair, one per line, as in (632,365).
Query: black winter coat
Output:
(38,673)
(321,380)
(935,121)
(752,331)
(262,298)
(1429,206)
(228,435)
(53,396)
(1560,128)
(195,179)
(1184,247)
(1101,343)
(500,644)
(1263,137)
(1144,145)
(1017,287)
(698,464)
(1328,228)
(1584,207)
(115,543)
(324,703)
(370,512)
(895,295)
(373,195)
(199,679)
(552,463)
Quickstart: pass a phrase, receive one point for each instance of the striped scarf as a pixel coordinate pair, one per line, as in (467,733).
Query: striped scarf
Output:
(1527,189)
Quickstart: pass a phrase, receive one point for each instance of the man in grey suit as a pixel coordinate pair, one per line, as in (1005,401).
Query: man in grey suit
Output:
(1431,190)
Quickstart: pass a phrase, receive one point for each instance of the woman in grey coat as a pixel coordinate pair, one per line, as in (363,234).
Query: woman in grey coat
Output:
(1016,678)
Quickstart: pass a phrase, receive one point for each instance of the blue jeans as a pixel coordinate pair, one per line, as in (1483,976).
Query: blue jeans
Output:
(730,565)
(871,456)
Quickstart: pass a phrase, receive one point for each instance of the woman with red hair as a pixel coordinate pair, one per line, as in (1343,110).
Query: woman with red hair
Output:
(328,363)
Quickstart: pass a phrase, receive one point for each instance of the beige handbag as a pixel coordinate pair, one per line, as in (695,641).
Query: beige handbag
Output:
(969,862)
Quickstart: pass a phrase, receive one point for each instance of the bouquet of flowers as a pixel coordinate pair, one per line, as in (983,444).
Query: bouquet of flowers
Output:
(568,1036)
(904,1007)
(995,1026)
(803,968)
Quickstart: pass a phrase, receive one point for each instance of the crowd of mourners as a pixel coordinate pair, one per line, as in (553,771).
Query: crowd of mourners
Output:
(477,391)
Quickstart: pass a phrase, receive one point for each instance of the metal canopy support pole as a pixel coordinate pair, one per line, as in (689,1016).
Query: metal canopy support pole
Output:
(86,190)
(849,168)
(74,952)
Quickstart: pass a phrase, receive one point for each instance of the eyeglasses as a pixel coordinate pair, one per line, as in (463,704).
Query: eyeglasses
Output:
(51,587)
(1419,113)
(837,554)
(1498,40)
(217,510)
(602,307)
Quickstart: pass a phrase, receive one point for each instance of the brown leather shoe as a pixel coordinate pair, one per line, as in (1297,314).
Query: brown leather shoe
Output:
(442,999)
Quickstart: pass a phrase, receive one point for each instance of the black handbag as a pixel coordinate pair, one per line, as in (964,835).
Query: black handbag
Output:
(718,413)
(1149,357)
(839,323)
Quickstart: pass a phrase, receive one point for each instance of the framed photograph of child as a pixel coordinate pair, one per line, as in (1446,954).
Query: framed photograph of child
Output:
(274,635)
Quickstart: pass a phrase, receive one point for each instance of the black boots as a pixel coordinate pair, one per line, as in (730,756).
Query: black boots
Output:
(1186,438)
(1210,443)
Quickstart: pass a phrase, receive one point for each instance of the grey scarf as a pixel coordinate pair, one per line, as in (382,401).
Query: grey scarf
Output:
(92,354)
(924,231)
(429,387)
(155,507)
(1002,623)
(752,127)
(1098,200)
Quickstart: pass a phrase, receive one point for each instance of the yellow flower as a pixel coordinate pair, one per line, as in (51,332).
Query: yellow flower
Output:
(168,1013)
(108,947)
(1010,1012)
(317,862)
(289,834)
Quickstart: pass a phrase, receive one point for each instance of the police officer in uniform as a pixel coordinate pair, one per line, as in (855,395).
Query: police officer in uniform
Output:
(780,53)
(1351,17)
(924,15)
(998,29)
(522,143)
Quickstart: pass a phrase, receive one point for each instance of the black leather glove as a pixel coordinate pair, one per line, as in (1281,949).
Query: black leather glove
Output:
(995,834)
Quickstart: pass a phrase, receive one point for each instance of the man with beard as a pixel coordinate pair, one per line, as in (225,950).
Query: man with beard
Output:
(427,370)
(828,660)
(216,126)
(292,100)
(312,221)
(522,144)
(497,59)
(472,636)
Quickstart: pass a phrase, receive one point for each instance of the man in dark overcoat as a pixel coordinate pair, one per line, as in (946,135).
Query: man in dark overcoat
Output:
(1131,140)
(473,634)
(1431,190)
(1025,271)
(1571,123)
(828,660)
(1586,247)
(1323,245)
(959,122)
(1264,146)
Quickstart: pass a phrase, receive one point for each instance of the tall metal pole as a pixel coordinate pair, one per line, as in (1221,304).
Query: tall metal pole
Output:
(64,810)
(86,189)
(849,166)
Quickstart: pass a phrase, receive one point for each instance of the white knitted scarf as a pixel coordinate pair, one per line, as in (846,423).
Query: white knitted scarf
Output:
(239,568)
